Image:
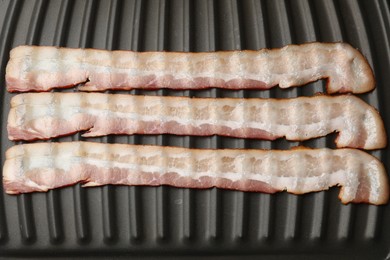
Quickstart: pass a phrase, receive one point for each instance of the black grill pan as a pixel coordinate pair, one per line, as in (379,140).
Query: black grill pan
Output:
(165,222)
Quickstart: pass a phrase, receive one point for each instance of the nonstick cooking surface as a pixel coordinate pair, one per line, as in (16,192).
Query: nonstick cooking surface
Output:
(170,222)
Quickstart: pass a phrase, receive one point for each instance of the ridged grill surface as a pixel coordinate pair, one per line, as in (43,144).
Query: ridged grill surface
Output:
(164,221)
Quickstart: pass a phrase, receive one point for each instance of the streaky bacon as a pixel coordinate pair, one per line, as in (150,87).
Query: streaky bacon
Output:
(33,68)
(47,115)
(45,166)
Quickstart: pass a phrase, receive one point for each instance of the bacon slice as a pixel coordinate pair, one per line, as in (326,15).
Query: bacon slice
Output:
(47,115)
(33,68)
(44,166)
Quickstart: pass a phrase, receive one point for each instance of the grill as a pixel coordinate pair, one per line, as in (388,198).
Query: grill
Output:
(113,221)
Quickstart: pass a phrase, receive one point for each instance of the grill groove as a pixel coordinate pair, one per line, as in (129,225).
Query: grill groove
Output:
(34,30)
(53,202)
(108,194)
(26,219)
(6,35)
(24,202)
(135,216)
(79,195)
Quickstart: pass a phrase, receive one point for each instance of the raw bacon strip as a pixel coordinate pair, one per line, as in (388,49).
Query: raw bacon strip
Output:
(33,68)
(47,115)
(44,166)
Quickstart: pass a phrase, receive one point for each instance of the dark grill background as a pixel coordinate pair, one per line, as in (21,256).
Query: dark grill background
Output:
(165,221)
